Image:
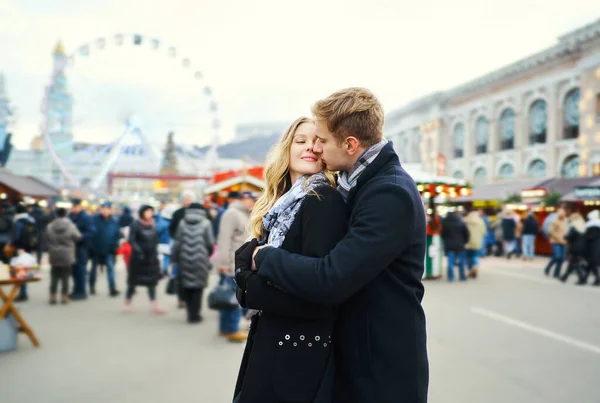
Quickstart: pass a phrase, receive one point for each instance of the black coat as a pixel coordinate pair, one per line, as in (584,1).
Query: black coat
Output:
(288,356)
(509,229)
(455,233)
(576,242)
(530,226)
(144,268)
(592,244)
(375,274)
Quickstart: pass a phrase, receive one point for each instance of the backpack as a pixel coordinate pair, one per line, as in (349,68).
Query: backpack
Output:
(28,236)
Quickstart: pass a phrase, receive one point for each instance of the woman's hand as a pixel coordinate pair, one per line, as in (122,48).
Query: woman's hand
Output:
(243,262)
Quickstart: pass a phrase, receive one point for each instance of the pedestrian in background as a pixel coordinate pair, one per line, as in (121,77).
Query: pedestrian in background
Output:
(192,247)
(558,230)
(530,230)
(144,268)
(85,224)
(477,233)
(592,245)
(509,233)
(104,247)
(576,246)
(455,235)
(25,237)
(62,237)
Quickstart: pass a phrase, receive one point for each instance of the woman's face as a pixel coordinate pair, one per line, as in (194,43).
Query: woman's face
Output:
(303,161)
(148,214)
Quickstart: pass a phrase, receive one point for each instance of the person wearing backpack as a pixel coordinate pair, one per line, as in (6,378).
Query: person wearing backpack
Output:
(25,237)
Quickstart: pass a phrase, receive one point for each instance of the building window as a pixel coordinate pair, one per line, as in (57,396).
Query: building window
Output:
(537,169)
(459,175)
(507,171)
(507,129)
(538,122)
(459,140)
(482,132)
(571,115)
(570,168)
(480,175)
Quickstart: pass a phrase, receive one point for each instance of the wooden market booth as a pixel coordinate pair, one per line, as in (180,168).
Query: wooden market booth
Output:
(16,188)
(245,180)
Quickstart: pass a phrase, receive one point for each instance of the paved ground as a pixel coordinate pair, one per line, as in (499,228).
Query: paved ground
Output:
(511,336)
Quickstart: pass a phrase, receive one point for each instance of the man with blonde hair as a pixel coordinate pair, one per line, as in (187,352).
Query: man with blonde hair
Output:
(374,273)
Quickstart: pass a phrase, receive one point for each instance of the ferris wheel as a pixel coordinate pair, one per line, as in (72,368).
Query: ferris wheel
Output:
(102,128)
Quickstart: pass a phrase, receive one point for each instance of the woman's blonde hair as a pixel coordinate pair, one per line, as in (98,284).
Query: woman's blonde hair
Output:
(577,222)
(277,176)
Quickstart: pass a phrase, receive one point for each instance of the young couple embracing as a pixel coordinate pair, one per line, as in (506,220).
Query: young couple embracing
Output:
(337,276)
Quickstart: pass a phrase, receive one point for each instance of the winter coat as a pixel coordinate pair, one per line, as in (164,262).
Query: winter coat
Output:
(62,237)
(6,227)
(455,233)
(178,216)
(106,238)
(40,217)
(233,232)
(477,230)
(192,248)
(126,219)
(144,268)
(162,228)
(530,226)
(288,356)
(20,221)
(558,230)
(85,225)
(375,276)
(576,242)
(592,242)
(509,229)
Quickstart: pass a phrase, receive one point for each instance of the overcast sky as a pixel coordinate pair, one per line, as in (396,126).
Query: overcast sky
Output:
(265,59)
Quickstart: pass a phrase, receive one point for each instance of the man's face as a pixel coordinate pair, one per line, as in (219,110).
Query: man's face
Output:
(561,213)
(76,209)
(106,212)
(335,156)
(187,201)
(248,202)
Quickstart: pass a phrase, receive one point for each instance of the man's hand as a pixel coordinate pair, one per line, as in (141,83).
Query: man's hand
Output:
(254,256)
(223,270)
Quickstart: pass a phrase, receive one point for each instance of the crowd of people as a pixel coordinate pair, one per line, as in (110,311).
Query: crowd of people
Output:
(160,243)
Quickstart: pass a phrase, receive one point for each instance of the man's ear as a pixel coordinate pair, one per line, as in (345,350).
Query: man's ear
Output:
(351,144)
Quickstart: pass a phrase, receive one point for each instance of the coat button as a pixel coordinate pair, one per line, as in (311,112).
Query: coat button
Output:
(295,344)
(302,337)
(281,343)
(317,338)
(309,344)
(324,344)
(287,336)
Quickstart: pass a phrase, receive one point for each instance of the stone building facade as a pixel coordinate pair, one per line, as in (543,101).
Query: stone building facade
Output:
(538,117)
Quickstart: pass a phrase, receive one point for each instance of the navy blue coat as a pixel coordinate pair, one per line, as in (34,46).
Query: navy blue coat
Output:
(374,273)
(106,238)
(85,224)
(509,228)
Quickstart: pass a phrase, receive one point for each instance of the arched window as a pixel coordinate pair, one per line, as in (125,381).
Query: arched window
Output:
(507,171)
(459,140)
(538,122)
(537,169)
(570,168)
(571,115)
(482,133)
(459,175)
(507,129)
(480,175)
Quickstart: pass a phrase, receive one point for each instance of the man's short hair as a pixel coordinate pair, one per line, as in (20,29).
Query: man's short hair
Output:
(189,194)
(61,212)
(352,112)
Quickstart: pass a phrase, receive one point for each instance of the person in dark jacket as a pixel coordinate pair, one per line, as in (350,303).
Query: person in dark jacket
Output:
(25,236)
(374,273)
(455,235)
(530,230)
(62,237)
(104,247)
(576,246)
(41,221)
(7,216)
(162,219)
(193,245)
(85,224)
(592,246)
(509,233)
(126,218)
(299,212)
(144,267)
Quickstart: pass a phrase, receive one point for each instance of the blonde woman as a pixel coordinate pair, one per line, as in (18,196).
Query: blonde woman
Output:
(576,242)
(288,356)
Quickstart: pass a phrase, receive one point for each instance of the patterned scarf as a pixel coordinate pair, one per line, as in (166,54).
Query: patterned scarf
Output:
(281,216)
(347,180)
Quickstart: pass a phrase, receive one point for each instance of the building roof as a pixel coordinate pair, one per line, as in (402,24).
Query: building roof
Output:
(570,196)
(27,185)
(234,181)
